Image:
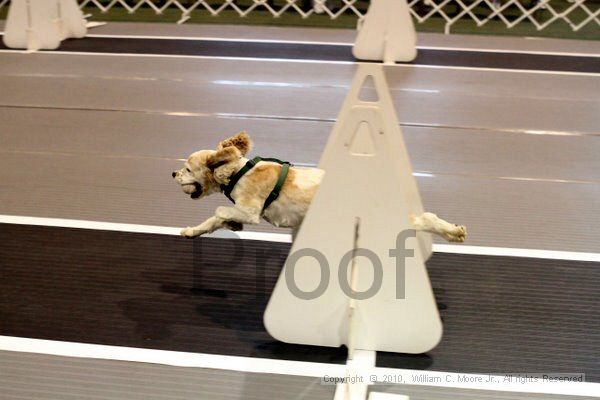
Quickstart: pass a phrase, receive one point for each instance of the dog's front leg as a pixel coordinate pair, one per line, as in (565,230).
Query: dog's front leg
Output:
(240,214)
(429,222)
(208,226)
(231,218)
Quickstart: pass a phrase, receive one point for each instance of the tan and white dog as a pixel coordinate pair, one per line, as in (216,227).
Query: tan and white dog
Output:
(206,170)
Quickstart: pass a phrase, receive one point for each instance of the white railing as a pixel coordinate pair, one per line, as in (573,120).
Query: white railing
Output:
(540,13)
(526,11)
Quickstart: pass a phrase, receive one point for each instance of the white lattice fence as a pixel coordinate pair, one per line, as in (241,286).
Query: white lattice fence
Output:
(540,13)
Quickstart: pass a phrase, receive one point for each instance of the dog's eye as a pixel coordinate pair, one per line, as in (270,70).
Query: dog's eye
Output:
(188,170)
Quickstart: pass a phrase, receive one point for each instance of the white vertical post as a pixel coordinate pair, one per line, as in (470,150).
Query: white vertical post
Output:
(357,374)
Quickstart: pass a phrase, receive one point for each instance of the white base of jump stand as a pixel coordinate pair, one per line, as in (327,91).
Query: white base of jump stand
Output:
(386,396)
(42,24)
(356,272)
(94,24)
(357,371)
(387,33)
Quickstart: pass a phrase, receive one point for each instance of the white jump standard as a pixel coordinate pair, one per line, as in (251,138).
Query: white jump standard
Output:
(339,226)
(356,272)
(42,24)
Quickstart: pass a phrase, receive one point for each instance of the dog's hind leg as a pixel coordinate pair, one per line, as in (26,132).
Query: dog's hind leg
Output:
(429,222)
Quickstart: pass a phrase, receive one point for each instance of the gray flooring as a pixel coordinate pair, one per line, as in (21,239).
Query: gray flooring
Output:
(514,156)
(436,393)
(347,36)
(425,39)
(45,377)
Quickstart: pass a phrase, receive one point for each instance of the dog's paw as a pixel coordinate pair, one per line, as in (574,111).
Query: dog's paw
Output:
(190,232)
(457,234)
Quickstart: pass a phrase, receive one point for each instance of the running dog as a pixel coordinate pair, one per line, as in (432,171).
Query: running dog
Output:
(267,188)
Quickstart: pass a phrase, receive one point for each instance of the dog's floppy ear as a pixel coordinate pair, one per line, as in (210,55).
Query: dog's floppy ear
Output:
(223,163)
(223,156)
(241,141)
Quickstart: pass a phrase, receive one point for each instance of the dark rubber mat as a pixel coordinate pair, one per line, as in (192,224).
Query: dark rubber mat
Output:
(326,52)
(501,314)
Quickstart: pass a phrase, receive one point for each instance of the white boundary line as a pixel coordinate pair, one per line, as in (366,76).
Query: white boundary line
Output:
(514,252)
(218,39)
(347,44)
(286,238)
(285,367)
(166,357)
(535,52)
(134,228)
(508,70)
(83,53)
(291,60)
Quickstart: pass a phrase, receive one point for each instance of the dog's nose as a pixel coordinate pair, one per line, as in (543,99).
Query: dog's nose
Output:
(173,174)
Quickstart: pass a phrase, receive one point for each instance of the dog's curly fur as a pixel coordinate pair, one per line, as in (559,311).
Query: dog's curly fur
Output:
(206,170)
(241,141)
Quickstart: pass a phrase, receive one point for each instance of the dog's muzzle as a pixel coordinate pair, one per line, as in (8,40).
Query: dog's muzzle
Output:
(197,192)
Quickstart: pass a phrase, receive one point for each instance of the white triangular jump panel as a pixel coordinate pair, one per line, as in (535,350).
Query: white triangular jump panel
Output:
(73,23)
(42,24)
(364,201)
(31,24)
(387,33)
(376,83)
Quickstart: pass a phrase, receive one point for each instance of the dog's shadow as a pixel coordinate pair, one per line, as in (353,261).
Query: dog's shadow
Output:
(178,304)
(205,320)
(180,316)
(242,312)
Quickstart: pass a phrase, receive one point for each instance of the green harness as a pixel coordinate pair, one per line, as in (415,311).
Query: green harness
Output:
(285,167)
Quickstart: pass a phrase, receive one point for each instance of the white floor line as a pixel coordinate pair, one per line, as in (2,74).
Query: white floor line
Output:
(286,238)
(294,368)
(142,55)
(220,39)
(348,44)
(514,252)
(166,357)
(508,51)
(291,60)
(152,229)
(506,70)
